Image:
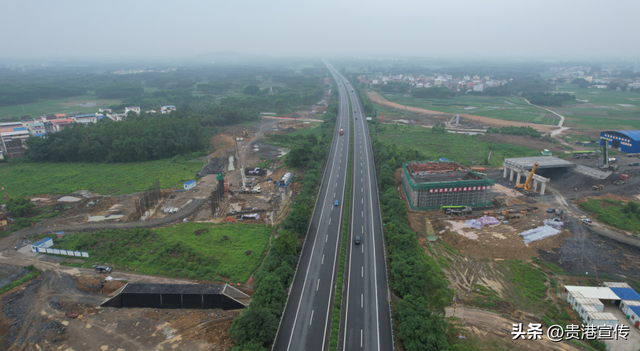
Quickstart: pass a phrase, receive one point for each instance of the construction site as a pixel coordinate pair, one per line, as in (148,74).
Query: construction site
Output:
(529,211)
(244,180)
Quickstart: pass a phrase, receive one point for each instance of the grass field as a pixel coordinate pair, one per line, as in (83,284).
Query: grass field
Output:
(25,179)
(193,250)
(610,212)
(464,149)
(66,105)
(506,108)
(605,109)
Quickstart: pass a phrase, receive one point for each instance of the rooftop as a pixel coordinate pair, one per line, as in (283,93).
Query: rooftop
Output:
(85,115)
(593,292)
(174,289)
(603,316)
(18,132)
(631,134)
(41,241)
(543,162)
(626,294)
(635,309)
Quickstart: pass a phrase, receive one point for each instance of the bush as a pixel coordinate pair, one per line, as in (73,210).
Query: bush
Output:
(20,206)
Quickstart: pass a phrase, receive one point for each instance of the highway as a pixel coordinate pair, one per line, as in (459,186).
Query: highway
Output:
(367,323)
(305,324)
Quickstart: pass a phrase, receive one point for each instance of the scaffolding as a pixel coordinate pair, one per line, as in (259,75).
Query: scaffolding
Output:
(434,194)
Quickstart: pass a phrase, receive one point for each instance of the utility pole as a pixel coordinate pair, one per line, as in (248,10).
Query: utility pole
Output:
(405,107)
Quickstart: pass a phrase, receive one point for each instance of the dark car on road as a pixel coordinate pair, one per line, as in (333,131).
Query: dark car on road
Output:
(559,212)
(103,269)
(357,240)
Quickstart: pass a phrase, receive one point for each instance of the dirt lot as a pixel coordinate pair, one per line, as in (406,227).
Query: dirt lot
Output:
(481,121)
(33,317)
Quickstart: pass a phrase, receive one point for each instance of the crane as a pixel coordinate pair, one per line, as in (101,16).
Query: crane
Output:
(526,186)
(6,195)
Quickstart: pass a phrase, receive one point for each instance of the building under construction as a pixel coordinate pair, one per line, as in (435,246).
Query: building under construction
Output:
(430,185)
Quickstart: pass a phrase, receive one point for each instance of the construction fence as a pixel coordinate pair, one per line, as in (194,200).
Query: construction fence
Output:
(433,195)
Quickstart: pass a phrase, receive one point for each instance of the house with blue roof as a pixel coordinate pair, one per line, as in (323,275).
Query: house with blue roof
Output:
(41,244)
(622,140)
(634,316)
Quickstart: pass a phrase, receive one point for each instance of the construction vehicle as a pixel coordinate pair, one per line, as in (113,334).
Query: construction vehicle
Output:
(457,210)
(245,134)
(341,132)
(526,188)
(606,161)
(624,179)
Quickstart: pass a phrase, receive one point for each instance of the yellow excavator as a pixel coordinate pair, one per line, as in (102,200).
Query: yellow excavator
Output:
(526,187)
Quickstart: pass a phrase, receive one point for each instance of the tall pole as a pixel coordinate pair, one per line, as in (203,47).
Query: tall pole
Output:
(405,107)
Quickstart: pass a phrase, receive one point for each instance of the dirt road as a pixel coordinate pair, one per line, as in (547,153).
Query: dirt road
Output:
(488,323)
(9,241)
(378,99)
(18,259)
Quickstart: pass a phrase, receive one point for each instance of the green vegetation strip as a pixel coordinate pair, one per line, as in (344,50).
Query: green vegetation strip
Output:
(415,277)
(190,250)
(27,179)
(615,213)
(34,273)
(337,299)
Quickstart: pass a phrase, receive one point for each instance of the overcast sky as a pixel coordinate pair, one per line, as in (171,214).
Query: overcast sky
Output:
(540,29)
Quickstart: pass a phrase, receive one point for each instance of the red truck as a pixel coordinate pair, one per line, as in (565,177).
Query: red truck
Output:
(341,132)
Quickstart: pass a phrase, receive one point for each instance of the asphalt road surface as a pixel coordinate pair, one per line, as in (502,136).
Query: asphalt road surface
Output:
(367,324)
(305,322)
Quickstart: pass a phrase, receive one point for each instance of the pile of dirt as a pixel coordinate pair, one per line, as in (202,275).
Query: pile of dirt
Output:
(585,251)
(97,284)
(214,166)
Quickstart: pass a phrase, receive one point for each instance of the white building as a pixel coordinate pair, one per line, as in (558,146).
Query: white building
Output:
(167,109)
(41,244)
(189,185)
(478,87)
(135,109)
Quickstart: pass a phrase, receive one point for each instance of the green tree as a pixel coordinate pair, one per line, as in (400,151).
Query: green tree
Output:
(20,206)
(270,294)
(251,90)
(286,243)
(254,325)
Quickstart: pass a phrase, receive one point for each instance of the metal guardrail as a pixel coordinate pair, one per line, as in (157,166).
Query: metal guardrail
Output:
(309,228)
(384,245)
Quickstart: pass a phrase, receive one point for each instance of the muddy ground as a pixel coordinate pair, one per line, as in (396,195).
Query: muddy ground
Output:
(33,317)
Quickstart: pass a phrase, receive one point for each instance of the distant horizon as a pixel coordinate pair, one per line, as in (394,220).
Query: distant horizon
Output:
(574,30)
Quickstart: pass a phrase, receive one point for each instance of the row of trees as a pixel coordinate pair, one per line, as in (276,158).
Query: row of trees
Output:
(548,99)
(257,325)
(133,140)
(415,277)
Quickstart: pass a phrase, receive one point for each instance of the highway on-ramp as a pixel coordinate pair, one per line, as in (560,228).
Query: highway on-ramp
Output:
(367,323)
(305,322)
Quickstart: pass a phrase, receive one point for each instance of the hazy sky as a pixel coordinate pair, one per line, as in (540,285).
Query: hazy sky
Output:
(540,29)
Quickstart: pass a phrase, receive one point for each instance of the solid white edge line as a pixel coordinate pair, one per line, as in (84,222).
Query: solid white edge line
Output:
(306,277)
(335,260)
